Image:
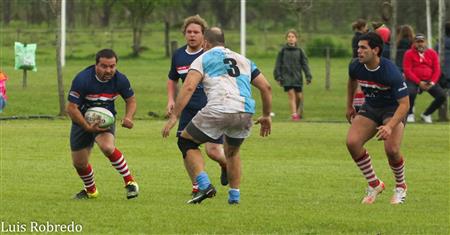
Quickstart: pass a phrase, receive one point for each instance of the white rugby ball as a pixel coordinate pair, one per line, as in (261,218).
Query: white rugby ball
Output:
(104,116)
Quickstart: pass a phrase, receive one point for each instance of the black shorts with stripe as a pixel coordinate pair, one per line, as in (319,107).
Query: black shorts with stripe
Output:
(378,115)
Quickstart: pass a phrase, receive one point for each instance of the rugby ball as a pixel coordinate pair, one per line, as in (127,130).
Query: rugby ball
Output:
(102,115)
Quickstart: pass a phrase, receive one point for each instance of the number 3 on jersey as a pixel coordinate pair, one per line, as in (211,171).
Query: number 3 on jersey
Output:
(233,70)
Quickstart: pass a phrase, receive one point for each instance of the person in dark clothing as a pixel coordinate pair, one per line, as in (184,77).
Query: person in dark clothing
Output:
(360,28)
(385,33)
(446,69)
(445,78)
(405,40)
(290,63)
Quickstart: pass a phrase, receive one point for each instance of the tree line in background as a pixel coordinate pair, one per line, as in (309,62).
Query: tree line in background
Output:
(305,15)
(263,16)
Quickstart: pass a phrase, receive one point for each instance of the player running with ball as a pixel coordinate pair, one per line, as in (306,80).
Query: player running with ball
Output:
(98,86)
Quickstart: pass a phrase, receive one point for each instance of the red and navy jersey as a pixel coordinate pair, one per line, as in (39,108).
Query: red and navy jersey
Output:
(181,62)
(88,91)
(382,86)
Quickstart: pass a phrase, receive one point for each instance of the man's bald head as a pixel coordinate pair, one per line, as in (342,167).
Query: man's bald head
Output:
(215,36)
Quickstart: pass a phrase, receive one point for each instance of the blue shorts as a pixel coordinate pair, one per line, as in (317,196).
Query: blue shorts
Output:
(80,139)
(186,116)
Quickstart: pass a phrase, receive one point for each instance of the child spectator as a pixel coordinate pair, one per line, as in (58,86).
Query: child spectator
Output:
(291,61)
(3,97)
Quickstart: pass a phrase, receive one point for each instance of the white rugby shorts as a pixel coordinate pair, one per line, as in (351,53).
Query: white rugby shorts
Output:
(215,124)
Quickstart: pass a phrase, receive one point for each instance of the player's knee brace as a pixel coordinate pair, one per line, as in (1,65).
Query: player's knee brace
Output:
(184,145)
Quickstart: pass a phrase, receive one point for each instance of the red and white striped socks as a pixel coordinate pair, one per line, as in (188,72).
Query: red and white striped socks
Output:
(365,165)
(87,175)
(118,161)
(399,173)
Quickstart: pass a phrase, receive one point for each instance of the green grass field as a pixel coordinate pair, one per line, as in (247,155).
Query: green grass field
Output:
(299,180)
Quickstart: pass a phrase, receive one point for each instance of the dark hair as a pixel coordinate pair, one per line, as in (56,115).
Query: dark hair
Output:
(374,40)
(359,24)
(447,28)
(376,25)
(105,53)
(215,36)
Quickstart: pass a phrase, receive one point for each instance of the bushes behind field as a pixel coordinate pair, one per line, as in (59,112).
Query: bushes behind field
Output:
(317,48)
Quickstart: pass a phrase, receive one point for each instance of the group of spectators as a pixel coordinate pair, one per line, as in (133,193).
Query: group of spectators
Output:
(418,63)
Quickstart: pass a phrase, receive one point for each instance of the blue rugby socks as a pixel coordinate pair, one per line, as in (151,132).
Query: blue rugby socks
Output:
(203,180)
(234,195)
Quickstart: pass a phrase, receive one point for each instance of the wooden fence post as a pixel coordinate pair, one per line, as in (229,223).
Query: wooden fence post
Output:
(327,69)
(24,80)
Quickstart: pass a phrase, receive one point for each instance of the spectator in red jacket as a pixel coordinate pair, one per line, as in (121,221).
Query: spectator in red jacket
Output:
(422,72)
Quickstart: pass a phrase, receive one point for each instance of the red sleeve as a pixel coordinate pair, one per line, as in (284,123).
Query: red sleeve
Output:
(436,66)
(407,67)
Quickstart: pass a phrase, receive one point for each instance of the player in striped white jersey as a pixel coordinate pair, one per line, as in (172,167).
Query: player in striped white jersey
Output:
(227,78)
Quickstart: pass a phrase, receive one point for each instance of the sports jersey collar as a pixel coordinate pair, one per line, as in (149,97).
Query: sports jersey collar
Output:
(218,47)
(98,79)
(193,53)
(372,70)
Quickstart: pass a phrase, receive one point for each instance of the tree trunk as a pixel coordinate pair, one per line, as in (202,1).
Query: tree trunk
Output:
(420,18)
(89,12)
(34,12)
(192,7)
(6,11)
(393,30)
(137,33)
(106,17)
(299,20)
(167,36)
(70,13)
(222,11)
(173,47)
(50,16)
